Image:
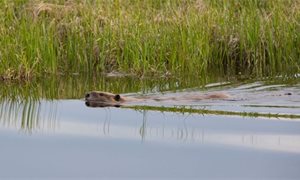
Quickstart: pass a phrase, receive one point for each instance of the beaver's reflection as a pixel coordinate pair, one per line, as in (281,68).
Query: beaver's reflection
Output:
(100,104)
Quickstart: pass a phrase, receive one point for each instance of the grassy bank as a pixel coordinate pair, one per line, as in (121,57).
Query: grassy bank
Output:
(257,37)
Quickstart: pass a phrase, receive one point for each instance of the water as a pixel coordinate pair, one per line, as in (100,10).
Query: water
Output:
(47,131)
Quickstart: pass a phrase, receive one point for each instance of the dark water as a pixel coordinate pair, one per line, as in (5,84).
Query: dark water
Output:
(47,131)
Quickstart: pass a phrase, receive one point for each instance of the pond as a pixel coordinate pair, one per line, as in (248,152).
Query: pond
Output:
(46,129)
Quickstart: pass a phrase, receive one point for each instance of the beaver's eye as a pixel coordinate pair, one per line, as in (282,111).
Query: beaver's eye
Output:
(101,94)
(87,95)
(117,97)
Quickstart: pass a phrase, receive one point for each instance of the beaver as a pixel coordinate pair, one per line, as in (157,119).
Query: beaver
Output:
(104,99)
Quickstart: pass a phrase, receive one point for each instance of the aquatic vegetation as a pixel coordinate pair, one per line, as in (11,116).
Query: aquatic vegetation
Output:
(188,110)
(169,37)
(34,105)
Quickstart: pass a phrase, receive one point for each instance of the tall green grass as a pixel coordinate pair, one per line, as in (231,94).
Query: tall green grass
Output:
(147,37)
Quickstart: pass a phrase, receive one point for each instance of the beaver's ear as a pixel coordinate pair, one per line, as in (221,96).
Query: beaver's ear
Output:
(117,97)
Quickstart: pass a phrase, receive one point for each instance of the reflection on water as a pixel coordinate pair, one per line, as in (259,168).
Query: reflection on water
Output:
(167,127)
(28,114)
(31,106)
(20,104)
(74,87)
(72,117)
(47,126)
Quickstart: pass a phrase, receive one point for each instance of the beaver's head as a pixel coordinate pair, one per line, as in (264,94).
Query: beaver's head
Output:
(103,97)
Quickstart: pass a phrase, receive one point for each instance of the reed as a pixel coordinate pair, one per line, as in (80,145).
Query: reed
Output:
(251,37)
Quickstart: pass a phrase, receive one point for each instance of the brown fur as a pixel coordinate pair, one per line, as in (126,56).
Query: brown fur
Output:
(105,97)
(102,99)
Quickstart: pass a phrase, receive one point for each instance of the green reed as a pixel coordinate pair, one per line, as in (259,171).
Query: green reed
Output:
(252,37)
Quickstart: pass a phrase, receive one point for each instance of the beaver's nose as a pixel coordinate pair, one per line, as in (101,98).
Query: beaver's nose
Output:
(87,95)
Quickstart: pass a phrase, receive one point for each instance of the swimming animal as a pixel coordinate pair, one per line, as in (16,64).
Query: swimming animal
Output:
(104,99)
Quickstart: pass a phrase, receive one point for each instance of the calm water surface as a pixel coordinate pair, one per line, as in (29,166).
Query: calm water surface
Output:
(47,131)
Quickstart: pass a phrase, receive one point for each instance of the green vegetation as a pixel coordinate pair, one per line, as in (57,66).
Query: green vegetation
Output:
(147,37)
(32,105)
(188,110)
(29,106)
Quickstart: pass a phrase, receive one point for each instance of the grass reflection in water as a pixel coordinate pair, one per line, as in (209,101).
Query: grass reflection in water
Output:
(20,104)
(33,105)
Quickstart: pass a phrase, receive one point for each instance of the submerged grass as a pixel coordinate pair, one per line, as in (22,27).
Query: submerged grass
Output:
(184,109)
(252,37)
